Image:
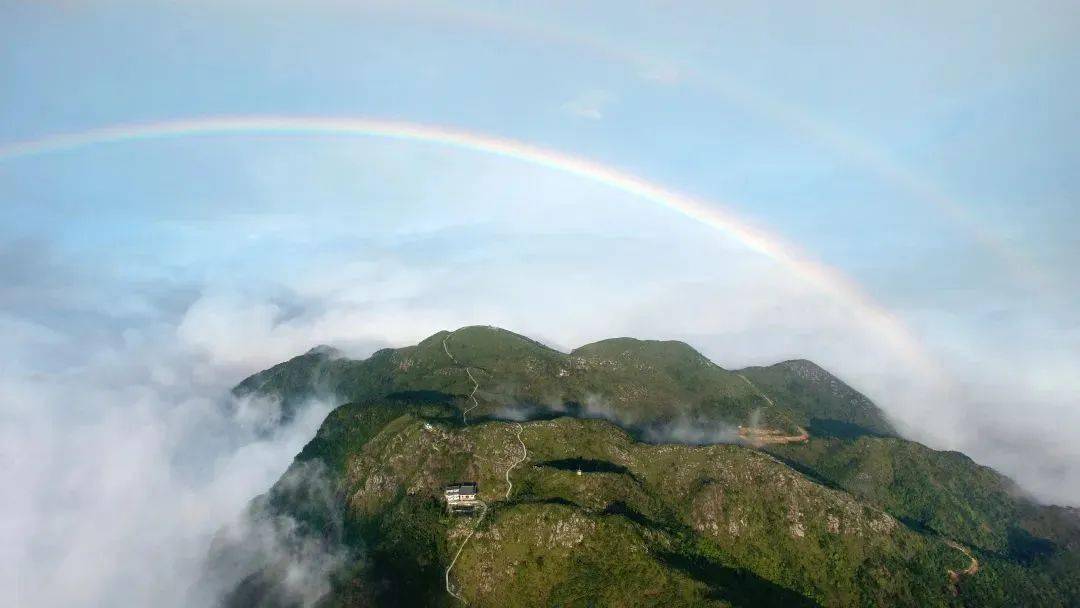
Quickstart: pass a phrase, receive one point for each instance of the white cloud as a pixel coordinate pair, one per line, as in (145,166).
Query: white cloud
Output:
(590,105)
(120,468)
(111,429)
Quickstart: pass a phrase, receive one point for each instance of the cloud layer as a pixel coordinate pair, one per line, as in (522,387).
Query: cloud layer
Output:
(121,463)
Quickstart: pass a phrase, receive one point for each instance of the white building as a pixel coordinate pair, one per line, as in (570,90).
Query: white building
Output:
(461,496)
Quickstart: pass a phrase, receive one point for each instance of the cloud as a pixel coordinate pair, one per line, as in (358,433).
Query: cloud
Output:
(590,104)
(684,429)
(291,561)
(122,460)
(115,367)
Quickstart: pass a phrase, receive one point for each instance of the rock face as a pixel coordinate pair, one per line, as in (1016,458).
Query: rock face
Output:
(598,517)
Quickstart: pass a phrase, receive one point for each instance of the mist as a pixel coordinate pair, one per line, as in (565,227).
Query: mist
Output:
(128,456)
(122,458)
(683,429)
(268,553)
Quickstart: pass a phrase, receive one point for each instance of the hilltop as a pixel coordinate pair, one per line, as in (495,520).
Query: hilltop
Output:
(633,472)
(639,383)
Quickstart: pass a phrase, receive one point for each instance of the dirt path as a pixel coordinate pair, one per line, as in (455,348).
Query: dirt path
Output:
(761,437)
(756,390)
(971,570)
(449,587)
(524,457)
(476,385)
(483,505)
(509,484)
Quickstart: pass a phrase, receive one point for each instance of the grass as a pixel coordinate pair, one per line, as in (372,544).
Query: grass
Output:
(855,517)
(656,519)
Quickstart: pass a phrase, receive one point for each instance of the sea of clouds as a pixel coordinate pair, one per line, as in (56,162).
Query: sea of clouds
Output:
(122,451)
(121,466)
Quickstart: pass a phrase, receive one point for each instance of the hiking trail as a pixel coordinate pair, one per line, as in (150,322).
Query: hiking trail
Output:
(449,587)
(761,436)
(524,457)
(476,385)
(955,575)
(483,505)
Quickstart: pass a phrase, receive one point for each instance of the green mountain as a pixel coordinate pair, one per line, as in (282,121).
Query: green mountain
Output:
(639,382)
(597,497)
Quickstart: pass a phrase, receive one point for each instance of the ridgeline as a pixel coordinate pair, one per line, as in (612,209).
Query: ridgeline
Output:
(633,473)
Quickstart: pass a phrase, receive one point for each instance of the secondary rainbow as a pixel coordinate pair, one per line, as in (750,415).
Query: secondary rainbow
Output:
(798,120)
(708,213)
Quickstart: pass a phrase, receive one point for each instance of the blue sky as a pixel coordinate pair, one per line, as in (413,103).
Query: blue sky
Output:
(928,152)
(926,88)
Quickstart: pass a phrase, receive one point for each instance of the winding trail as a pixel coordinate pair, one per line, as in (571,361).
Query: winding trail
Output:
(972,569)
(483,514)
(449,587)
(524,457)
(447,349)
(476,385)
(509,484)
(757,390)
(761,437)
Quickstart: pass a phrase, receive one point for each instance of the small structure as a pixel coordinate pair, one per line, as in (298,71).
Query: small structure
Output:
(462,497)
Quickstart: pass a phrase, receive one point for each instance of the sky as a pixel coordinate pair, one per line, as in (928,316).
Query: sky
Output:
(912,169)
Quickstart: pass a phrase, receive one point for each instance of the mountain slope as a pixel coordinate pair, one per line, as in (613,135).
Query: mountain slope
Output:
(637,382)
(582,511)
(948,494)
(820,401)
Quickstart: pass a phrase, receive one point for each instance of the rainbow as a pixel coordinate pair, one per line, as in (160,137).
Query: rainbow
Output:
(797,120)
(709,214)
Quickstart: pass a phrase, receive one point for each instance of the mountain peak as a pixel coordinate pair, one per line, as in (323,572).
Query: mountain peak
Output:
(325,350)
(823,403)
(640,383)
(657,351)
(492,335)
(649,489)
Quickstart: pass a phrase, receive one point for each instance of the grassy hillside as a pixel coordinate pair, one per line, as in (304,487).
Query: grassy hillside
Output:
(851,516)
(819,401)
(948,494)
(640,524)
(636,382)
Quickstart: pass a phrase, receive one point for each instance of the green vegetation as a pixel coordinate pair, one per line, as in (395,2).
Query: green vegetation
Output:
(1032,546)
(599,518)
(637,382)
(944,492)
(819,401)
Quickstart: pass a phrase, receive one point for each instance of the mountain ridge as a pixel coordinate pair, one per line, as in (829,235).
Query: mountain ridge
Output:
(670,369)
(636,463)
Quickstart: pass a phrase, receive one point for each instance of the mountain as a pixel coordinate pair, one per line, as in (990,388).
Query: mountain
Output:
(628,472)
(640,382)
